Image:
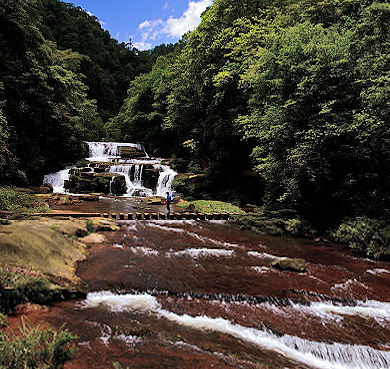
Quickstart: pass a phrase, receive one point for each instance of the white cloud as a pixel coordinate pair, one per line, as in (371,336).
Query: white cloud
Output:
(156,29)
(176,27)
(150,25)
(93,15)
(142,45)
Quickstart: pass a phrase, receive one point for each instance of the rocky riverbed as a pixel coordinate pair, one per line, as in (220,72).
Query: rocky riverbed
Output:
(186,294)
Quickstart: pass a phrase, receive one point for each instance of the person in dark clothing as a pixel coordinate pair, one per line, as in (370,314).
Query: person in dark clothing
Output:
(168,202)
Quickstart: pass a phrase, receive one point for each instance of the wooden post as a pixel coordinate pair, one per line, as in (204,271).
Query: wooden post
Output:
(209,216)
(138,216)
(178,216)
(130,216)
(147,216)
(105,215)
(113,215)
(154,216)
(162,216)
(202,216)
(121,216)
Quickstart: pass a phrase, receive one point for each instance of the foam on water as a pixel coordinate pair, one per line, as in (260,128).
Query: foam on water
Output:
(197,253)
(204,240)
(315,354)
(57,180)
(264,255)
(144,251)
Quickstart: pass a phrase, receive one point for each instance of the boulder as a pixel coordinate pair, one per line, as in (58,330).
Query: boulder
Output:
(294,264)
(65,201)
(129,152)
(150,176)
(154,200)
(43,189)
(82,182)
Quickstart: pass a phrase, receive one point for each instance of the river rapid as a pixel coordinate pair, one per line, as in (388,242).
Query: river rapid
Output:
(202,294)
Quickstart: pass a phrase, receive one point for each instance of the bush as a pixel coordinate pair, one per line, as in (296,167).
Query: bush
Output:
(16,289)
(36,348)
(369,237)
(21,202)
(3,320)
(274,224)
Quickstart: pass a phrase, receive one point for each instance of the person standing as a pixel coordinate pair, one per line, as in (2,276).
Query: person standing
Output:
(168,202)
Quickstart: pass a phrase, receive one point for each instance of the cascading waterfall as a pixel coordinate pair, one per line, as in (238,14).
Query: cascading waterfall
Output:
(108,151)
(131,169)
(165,180)
(133,182)
(57,180)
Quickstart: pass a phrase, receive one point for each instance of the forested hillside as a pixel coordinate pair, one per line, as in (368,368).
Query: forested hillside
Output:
(280,103)
(297,90)
(61,77)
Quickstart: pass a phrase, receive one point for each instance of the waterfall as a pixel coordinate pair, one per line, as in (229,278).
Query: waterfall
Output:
(165,180)
(108,151)
(57,180)
(133,184)
(131,169)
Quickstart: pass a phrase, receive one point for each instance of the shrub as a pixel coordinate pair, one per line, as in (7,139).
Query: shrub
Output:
(14,200)
(274,224)
(369,237)
(35,348)
(16,289)
(3,320)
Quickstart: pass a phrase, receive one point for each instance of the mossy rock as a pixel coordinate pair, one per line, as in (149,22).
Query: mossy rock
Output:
(48,246)
(293,265)
(105,182)
(150,176)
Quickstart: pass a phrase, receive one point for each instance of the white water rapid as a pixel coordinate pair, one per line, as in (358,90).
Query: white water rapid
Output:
(321,355)
(131,169)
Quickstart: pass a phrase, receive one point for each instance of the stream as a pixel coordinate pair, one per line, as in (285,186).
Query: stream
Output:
(202,294)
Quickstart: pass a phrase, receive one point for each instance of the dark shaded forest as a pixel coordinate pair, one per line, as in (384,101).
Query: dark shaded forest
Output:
(296,91)
(61,78)
(283,104)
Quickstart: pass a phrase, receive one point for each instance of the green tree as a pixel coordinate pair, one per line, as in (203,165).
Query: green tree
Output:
(45,101)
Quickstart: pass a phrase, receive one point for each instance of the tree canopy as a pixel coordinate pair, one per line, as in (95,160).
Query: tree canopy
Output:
(61,77)
(296,90)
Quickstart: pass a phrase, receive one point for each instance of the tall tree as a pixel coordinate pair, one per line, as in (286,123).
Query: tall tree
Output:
(45,101)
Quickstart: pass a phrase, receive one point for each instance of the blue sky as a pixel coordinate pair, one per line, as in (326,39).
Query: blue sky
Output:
(146,22)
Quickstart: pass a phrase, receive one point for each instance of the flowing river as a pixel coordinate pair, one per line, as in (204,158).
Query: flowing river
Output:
(202,294)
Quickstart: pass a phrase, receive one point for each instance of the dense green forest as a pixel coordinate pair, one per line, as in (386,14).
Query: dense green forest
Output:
(297,90)
(61,77)
(280,103)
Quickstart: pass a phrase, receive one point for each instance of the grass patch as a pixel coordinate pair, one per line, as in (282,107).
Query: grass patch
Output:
(206,206)
(17,288)
(21,202)
(36,348)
